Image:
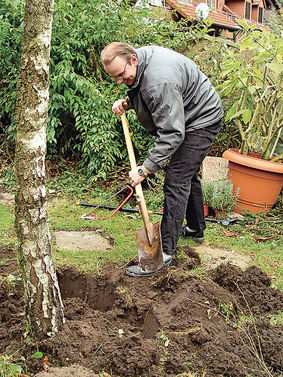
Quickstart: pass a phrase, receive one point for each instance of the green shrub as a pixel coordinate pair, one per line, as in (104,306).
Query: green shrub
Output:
(222,195)
(253,75)
(11,13)
(81,123)
(207,190)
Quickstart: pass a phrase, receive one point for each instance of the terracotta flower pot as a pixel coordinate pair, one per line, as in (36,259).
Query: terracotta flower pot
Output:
(255,154)
(206,210)
(260,181)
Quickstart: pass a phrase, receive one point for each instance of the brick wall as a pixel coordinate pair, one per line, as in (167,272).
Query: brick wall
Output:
(237,6)
(254,13)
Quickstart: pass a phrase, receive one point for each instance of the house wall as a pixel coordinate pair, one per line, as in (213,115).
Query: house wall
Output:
(261,4)
(237,6)
(254,13)
(255,10)
(220,4)
(226,34)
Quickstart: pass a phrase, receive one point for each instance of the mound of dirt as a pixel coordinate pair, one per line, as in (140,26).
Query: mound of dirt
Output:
(166,325)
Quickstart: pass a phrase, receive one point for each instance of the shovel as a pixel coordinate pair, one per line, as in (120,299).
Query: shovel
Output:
(148,238)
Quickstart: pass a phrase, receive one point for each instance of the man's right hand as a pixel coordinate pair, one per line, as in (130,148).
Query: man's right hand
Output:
(120,106)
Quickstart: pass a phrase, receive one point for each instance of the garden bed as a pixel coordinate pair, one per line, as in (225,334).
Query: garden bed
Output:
(167,325)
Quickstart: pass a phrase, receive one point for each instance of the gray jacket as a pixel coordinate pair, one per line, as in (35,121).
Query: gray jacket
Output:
(171,96)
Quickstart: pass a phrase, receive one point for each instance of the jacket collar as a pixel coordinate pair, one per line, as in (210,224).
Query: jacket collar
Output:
(140,68)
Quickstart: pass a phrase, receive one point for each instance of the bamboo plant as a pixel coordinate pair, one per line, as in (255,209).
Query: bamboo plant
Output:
(253,74)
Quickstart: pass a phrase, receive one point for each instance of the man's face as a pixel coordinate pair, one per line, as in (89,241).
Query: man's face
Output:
(123,70)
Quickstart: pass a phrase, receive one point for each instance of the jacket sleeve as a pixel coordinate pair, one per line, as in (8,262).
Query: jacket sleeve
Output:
(165,103)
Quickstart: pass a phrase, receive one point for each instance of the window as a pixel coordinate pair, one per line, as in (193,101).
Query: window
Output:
(260,15)
(211,4)
(248,11)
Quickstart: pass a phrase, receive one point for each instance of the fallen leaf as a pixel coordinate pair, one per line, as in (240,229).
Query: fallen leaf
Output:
(262,239)
(45,363)
(228,233)
(255,223)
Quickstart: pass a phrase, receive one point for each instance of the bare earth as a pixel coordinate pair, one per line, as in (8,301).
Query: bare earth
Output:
(167,325)
(155,327)
(73,370)
(80,241)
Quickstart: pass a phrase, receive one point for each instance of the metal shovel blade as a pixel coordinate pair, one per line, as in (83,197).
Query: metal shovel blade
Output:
(150,255)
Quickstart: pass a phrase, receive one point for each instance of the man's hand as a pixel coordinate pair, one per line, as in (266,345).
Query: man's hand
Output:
(120,106)
(136,177)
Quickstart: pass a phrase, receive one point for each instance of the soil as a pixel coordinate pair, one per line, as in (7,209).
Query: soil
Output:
(5,197)
(81,241)
(167,325)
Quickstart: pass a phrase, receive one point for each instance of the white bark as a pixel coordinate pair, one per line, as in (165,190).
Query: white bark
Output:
(44,308)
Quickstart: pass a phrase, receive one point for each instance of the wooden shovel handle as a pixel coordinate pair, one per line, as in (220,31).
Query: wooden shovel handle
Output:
(133,163)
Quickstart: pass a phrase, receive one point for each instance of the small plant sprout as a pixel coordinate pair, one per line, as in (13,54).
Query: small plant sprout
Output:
(121,332)
(127,297)
(9,282)
(164,339)
(37,355)
(226,309)
(276,319)
(8,368)
(209,313)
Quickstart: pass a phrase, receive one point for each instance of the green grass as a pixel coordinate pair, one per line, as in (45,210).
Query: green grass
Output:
(65,215)
(7,231)
(258,236)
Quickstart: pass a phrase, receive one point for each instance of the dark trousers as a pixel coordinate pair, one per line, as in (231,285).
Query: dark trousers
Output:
(182,189)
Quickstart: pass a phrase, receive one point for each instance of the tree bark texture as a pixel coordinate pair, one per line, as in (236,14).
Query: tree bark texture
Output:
(44,308)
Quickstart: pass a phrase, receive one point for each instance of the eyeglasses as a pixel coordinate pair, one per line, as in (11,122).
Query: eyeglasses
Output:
(120,75)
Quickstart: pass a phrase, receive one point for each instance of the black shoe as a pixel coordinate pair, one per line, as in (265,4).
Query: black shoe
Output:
(196,236)
(167,260)
(136,270)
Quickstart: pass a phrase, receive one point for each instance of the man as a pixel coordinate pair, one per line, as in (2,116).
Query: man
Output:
(176,102)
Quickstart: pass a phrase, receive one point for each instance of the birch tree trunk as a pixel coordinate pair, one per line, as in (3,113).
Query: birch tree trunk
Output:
(44,308)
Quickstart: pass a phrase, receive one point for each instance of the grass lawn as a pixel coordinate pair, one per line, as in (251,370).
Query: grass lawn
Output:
(259,236)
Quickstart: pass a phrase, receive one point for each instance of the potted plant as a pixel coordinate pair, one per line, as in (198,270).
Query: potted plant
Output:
(207,189)
(222,196)
(253,76)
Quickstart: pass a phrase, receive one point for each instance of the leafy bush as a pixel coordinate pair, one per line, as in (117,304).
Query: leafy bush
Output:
(11,26)
(81,94)
(208,53)
(253,75)
(207,190)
